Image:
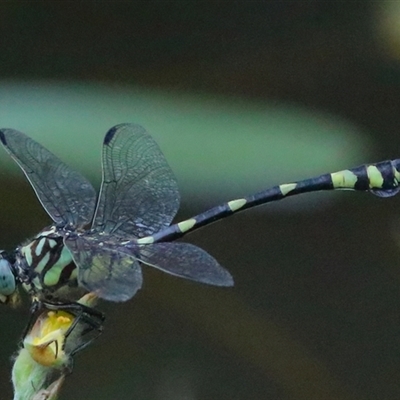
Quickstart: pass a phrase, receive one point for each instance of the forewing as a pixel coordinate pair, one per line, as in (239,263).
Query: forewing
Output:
(139,194)
(186,261)
(64,193)
(103,269)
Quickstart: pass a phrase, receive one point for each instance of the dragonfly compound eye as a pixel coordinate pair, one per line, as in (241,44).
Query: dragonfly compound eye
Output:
(7,279)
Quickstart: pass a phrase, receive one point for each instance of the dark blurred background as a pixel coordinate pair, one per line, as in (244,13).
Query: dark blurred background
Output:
(315,313)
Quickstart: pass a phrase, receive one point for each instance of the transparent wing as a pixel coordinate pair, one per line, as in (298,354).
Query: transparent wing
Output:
(104,269)
(186,261)
(139,194)
(64,193)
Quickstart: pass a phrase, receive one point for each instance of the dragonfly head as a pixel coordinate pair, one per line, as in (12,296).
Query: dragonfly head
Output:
(8,282)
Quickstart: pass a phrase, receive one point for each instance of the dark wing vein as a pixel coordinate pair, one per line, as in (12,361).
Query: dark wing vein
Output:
(103,269)
(139,194)
(65,194)
(186,261)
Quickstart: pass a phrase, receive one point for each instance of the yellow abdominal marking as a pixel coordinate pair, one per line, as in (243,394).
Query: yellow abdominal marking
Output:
(375,177)
(236,204)
(287,188)
(396,174)
(146,240)
(344,179)
(184,226)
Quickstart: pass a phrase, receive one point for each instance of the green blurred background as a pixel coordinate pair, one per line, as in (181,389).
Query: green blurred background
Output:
(240,96)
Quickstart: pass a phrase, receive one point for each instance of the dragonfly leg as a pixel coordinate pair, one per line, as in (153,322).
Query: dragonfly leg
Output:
(34,310)
(90,316)
(82,313)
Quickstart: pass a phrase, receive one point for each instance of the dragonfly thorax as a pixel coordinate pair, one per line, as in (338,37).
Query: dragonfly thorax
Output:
(44,265)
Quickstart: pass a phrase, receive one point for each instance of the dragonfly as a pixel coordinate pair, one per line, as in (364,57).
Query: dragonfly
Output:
(99,243)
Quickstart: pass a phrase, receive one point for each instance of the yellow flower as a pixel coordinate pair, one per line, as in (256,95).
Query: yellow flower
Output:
(46,340)
(40,366)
